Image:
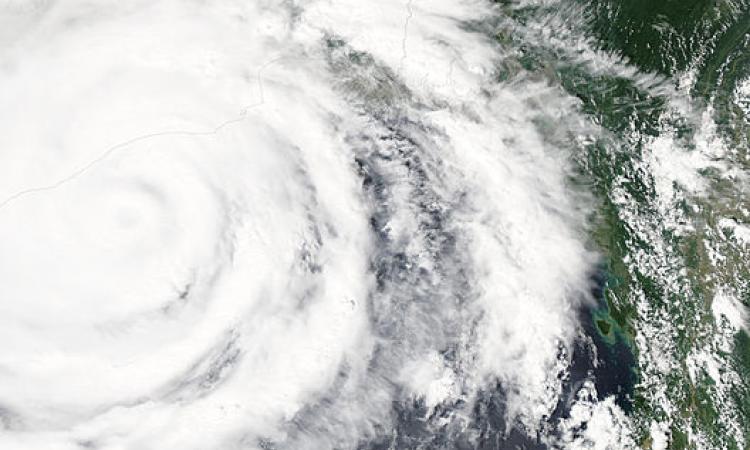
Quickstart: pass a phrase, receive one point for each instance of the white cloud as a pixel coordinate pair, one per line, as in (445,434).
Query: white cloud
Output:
(187,246)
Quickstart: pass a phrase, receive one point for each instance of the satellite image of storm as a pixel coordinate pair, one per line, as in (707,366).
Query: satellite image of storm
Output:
(374,225)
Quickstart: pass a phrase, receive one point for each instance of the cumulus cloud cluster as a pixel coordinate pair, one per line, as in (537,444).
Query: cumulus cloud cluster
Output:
(233,224)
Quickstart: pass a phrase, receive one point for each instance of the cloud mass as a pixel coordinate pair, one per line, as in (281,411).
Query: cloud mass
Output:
(279,225)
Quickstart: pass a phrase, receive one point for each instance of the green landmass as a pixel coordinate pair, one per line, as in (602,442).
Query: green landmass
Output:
(663,270)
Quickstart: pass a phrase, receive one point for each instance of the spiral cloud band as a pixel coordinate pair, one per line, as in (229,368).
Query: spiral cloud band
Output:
(276,224)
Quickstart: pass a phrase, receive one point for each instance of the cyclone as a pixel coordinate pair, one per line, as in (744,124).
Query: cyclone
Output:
(300,225)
